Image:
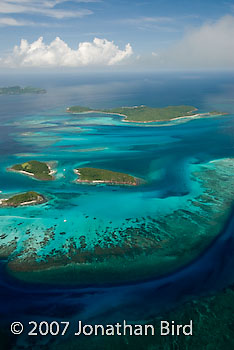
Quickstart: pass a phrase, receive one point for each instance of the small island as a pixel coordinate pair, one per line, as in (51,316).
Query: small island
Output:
(17,90)
(98,176)
(144,114)
(38,170)
(23,199)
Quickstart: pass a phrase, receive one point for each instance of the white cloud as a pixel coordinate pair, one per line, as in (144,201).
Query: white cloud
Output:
(42,7)
(142,20)
(8,21)
(153,23)
(58,53)
(209,46)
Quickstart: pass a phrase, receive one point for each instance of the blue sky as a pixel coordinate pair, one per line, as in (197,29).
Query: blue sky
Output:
(155,30)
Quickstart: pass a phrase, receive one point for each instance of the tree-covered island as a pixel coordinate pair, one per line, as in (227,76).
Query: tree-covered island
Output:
(23,199)
(97,176)
(18,90)
(38,170)
(144,114)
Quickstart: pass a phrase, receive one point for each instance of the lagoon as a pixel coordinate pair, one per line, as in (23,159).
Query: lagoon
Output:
(179,161)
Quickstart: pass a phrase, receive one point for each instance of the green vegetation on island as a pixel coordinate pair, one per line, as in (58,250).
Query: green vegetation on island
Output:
(38,170)
(217,113)
(94,175)
(148,114)
(27,198)
(17,90)
(142,113)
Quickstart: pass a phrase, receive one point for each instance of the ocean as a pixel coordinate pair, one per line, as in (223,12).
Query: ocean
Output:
(181,162)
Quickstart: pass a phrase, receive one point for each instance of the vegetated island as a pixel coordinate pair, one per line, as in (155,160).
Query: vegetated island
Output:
(38,170)
(18,90)
(144,114)
(97,176)
(23,199)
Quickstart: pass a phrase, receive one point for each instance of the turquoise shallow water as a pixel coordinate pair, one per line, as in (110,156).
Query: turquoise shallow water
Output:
(164,155)
(188,168)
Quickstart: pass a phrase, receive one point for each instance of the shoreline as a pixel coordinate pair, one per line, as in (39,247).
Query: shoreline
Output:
(23,204)
(52,172)
(96,182)
(125,117)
